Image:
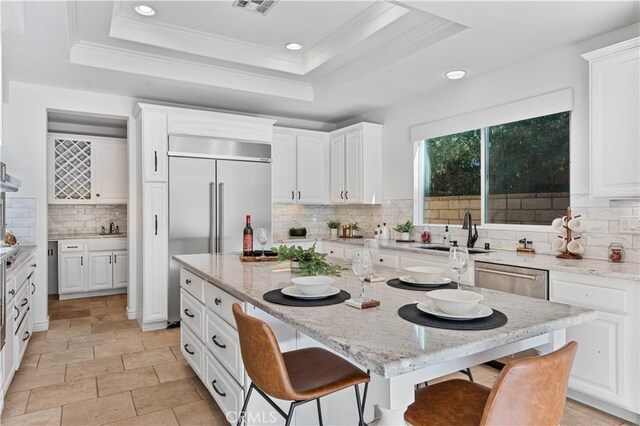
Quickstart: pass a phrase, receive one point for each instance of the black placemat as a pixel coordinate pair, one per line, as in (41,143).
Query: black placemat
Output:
(276,296)
(412,314)
(398,283)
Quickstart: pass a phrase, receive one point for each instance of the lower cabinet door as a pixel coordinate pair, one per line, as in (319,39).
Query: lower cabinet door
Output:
(598,369)
(71,273)
(100,270)
(120,269)
(8,364)
(227,392)
(21,339)
(223,342)
(192,350)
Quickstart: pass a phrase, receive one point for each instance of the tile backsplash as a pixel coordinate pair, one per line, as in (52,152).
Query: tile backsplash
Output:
(21,219)
(85,219)
(601,225)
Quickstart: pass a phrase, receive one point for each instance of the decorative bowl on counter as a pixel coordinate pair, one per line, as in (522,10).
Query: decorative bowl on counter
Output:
(297,232)
(313,286)
(455,302)
(424,274)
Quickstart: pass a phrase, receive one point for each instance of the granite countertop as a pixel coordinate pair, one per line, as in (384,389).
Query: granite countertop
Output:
(626,271)
(378,338)
(61,237)
(23,255)
(6,251)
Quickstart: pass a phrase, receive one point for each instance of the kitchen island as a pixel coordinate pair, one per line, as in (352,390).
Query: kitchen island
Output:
(398,353)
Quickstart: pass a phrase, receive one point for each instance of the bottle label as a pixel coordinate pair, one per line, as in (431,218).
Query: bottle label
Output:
(247,242)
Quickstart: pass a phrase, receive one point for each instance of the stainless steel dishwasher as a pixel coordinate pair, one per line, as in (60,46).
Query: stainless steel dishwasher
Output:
(513,279)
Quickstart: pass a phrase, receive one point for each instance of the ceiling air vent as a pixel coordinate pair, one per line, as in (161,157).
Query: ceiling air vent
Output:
(258,6)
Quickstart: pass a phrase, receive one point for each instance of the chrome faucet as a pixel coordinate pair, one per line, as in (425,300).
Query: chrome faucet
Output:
(112,228)
(473,229)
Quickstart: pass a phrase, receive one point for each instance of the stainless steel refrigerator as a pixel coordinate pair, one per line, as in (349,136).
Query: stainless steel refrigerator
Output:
(213,185)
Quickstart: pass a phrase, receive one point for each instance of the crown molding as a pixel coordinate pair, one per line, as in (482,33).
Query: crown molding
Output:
(432,30)
(125,60)
(204,44)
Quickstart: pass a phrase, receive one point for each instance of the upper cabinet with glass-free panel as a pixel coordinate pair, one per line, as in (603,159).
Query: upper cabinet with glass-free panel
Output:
(614,111)
(356,164)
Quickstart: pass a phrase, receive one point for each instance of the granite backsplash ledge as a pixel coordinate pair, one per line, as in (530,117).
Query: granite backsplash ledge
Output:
(85,219)
(601,218)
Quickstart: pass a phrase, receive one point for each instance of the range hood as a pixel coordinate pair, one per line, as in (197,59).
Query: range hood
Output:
(8,183)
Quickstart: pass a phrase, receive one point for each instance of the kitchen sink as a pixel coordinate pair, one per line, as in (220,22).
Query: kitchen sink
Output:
(445,248)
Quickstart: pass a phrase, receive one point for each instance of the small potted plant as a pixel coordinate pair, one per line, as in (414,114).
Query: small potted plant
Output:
(353,227)
(405,229)
(307,262)
(333,226)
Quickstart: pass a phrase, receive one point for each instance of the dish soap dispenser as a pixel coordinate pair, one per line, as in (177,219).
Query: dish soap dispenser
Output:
(445,236)
(385,232)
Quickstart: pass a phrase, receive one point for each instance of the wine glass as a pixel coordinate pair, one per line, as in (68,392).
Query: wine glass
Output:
(263,237)
(362,266)
(458,260)
(372,246)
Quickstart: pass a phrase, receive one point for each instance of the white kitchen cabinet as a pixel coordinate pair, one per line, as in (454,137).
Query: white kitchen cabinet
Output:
(120,269)
(614,112)
(300,159)
(87,169)
(606,366)
(111,172)
(100,270)
(154,140)
(356,164)
(72,272)
(155,253)
(8,367)
(283,167)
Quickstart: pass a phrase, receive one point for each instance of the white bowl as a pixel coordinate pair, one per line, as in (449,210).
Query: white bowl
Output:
(455,302)
(313,286)
(424,274)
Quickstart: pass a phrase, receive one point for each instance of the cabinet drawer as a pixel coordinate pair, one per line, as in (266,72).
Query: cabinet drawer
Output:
(227,393)
(21,338)
(192,350)
(11,289)
(191,283)
(71,246)
(222,340)
(220,302)
(21,304)
(387,260)
(590,296)
(191,313)
(334,251)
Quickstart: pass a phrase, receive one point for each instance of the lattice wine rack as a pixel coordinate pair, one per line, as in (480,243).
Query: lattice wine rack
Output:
(72,169)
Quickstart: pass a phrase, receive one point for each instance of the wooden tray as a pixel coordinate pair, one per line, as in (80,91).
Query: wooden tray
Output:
(355,236)
(244,258)
(405,241)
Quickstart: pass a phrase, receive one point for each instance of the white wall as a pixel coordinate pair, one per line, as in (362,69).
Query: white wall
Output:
(25,152)
(553,71)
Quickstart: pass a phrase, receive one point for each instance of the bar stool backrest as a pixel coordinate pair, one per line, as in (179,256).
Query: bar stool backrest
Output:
(531,391)
(262,356)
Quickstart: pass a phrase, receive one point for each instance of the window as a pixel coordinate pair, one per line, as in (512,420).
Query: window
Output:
(452,177)
(527,179)
(526,173)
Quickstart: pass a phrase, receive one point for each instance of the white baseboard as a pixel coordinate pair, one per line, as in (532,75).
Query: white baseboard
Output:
(131,314)
(92,294)
(40,326)
(623,413)
(151,326)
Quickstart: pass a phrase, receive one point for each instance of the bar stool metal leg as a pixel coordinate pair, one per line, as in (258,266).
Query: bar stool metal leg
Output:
(319,412)
(244,406)
(360,414)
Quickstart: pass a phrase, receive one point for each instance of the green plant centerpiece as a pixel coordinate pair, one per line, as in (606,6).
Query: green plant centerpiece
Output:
(405,229)
(309,261)
(333,224)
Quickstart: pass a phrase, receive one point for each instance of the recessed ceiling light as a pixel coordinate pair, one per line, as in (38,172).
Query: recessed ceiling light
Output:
(293,46)
(144,10)
(455,74)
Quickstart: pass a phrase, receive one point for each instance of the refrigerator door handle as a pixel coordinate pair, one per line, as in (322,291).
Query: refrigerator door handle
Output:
(213,242)
(221,217)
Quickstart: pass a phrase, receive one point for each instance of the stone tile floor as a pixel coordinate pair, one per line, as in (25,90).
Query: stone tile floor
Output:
(95,367)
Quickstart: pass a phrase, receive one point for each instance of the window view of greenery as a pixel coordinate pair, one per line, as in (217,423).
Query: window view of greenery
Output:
(452,177)
(527,170)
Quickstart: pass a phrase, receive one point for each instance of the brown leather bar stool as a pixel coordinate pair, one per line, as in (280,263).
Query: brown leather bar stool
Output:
(528,391)
(299,376)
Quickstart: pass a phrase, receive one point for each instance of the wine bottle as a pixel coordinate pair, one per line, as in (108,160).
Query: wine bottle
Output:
(247,238)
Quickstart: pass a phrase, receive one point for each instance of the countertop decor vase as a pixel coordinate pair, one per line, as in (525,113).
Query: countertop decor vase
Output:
(294,265)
